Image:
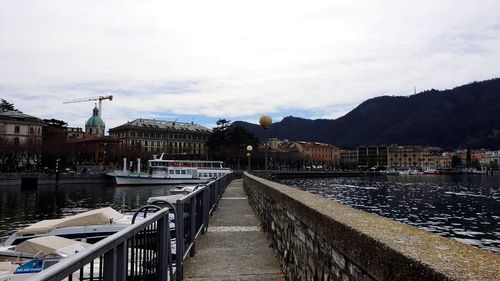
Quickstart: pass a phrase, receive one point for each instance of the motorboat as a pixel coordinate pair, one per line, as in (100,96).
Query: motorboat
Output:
(164,171)
(391,172)
(90,226)
(430,171)
(22,261)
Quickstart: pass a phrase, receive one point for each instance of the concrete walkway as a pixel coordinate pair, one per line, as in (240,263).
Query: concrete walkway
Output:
(234,248)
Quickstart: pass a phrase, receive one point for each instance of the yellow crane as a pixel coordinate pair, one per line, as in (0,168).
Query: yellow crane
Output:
(99,98)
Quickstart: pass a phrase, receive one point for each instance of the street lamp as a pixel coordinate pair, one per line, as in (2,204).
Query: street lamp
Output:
(266,122)
(249,154)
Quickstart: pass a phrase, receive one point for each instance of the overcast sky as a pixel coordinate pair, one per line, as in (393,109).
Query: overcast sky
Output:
(203,60)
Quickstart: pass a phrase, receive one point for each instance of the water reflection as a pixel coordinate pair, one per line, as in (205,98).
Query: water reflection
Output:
(21,207)
(465,208)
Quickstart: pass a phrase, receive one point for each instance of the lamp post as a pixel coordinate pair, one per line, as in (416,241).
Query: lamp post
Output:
(249,154)
(266,122)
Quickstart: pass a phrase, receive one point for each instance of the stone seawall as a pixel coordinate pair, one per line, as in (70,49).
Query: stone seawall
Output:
(318,239)
(14,179)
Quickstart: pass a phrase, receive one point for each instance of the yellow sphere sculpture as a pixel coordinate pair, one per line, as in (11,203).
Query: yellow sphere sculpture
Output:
(265,121)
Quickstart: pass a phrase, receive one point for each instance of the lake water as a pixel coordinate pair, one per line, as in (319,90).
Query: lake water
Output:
(465,208)
(21,207)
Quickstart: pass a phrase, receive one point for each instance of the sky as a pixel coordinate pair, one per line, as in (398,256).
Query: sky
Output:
(204,60)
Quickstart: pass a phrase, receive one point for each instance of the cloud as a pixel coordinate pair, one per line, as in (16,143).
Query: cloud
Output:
(210,59)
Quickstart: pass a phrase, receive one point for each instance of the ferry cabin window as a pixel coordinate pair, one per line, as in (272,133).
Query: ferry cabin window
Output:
(177,172)
(183,172)
(171,172)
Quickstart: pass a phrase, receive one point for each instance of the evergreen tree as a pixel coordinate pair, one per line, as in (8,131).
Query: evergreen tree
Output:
(6,106)
(229,142)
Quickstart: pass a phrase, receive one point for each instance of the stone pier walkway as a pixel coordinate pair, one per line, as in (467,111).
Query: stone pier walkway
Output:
(234,248)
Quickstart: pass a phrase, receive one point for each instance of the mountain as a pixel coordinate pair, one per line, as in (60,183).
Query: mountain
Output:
(466,116)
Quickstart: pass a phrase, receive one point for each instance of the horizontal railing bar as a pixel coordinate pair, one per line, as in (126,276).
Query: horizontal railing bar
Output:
(195,192)
(73,263)
(192,243)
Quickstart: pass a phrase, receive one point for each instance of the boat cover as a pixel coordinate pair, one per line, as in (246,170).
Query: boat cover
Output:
(51,245)
(169,198)
(94,217)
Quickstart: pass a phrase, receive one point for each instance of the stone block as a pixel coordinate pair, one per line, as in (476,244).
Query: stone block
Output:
(338,259)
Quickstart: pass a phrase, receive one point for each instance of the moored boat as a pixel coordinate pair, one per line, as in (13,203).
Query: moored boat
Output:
(163,171)
(34,255)
(90,226)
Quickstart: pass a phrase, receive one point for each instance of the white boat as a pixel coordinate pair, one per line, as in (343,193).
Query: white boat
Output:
(163,171)
(32,256)
(90,226)
(431,171)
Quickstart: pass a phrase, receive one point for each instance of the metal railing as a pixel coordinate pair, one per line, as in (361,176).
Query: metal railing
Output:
(145,250)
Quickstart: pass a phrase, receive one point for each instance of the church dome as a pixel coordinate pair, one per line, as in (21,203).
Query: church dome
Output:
(95,124)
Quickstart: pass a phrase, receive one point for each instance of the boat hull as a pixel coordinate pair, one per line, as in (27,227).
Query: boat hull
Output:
(135,180)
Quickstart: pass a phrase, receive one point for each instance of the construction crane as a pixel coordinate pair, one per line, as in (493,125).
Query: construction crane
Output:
(99,98)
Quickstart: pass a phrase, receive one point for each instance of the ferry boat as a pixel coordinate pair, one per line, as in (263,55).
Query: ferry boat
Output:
(163,171)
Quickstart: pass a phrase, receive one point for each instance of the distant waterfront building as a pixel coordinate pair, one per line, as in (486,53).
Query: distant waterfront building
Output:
(18,129)
(20,140)
(372,156)
(317,153)
(156,136)
(491,158)
(95,125)
(408,156)
(349,159)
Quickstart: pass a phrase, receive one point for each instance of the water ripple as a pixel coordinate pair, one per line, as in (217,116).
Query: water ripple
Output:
(465,208)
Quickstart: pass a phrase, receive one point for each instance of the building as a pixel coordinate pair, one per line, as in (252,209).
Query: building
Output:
(434,158)
(74,133)
(155,136)
(491,159)
(95,125)
(317,153)
(372,156)
(348,159)
(20,140)
(408,156)
(92,149)
(20,129)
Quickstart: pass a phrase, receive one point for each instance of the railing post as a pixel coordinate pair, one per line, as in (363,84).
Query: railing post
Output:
(121,261)
(164,248)
(192,234)
(179,240)
(110,269)
(205,208)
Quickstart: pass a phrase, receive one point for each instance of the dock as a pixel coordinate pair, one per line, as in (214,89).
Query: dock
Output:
(234,247)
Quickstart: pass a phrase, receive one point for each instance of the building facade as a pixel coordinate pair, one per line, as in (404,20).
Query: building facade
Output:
(20,140)
(348,159)
(157,136)
(17,128)
(74,133)
(317,153)
(372,156)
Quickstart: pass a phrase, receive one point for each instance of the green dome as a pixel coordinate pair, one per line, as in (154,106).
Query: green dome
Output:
(95,121)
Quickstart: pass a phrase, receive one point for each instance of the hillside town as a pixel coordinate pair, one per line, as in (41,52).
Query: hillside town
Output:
(28,143)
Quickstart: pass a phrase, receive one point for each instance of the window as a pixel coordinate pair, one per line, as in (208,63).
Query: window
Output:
(171,172)
(16,129)
(183,172)
(177,172)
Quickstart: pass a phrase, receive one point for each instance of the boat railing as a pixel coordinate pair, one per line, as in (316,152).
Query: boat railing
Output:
(143,251)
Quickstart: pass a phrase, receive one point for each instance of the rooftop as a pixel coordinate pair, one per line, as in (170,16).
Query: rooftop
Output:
(19,116)
(162,124)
